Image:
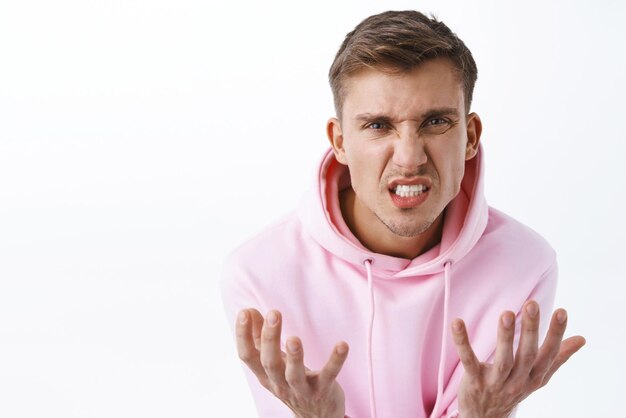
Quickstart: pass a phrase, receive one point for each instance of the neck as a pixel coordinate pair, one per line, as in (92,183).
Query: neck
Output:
(376,237)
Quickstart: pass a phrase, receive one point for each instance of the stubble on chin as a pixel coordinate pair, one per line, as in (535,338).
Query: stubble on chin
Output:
(407,227)
(406,230)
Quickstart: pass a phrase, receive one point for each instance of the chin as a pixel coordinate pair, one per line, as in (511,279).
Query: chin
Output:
(407,230)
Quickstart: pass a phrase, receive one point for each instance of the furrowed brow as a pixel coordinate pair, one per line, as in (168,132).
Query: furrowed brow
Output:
(430,113)
(365,117)
(443,111)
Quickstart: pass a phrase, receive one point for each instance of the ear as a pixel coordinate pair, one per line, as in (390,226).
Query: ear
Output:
(474,129)
(335,136)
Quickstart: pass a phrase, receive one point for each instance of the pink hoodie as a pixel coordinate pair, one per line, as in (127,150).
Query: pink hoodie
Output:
(394,313)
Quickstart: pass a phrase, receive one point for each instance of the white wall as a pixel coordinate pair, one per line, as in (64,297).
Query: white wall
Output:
(140,141)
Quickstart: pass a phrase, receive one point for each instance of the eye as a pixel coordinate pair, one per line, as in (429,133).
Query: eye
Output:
(436,121)
(436,126)
(376,125)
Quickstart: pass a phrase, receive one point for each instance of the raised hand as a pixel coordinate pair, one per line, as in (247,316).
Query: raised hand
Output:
(494,390)
(308,393)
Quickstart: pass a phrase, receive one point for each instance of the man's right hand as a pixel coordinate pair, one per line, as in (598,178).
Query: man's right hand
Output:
(307,393)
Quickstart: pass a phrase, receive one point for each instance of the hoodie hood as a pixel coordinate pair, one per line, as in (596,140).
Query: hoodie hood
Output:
(465,220)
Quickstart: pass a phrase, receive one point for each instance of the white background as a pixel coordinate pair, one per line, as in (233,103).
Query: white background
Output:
(141,141)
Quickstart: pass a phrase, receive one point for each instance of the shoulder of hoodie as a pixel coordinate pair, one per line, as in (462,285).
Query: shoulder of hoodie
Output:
(510,235)
(276,244)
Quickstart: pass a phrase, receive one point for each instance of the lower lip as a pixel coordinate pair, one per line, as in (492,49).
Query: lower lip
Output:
(408,202)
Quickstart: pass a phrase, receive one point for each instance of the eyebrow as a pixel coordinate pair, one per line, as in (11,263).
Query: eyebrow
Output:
(439,111)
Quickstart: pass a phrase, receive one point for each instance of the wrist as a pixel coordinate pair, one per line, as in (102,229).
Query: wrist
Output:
(322,415)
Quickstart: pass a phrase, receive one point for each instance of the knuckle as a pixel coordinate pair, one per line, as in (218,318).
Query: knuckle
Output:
(245,355)
(529,356)
(292,379)
(295,358)
(514,390)
(477,390)
(492,391)
(270,365)
(267,337)
(536,381)
(479,387)
(281,392)
(264,381)
(504,366)
(546,379)
(532,327)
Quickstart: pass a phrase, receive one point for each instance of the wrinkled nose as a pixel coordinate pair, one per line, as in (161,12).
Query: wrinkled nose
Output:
(409,152)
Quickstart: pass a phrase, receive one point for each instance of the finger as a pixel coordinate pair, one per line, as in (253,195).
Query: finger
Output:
(504,347)
(464,349)
(550,347)
(245,346)
(257,326)
(295,373)
(271,355)
(333,366)
(527,348)
(568,348)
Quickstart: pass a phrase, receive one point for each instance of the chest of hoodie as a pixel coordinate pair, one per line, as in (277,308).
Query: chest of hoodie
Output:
(325,300)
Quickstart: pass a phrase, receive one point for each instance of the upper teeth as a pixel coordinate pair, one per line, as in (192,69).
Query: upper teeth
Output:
(406,190)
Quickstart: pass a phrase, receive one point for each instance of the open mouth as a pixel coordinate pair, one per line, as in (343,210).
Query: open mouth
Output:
(409,190)
(407,196)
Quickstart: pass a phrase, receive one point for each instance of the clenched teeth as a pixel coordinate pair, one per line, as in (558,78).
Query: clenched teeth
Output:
(409,190)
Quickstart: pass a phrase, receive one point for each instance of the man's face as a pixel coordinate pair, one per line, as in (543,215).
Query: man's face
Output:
(405,139)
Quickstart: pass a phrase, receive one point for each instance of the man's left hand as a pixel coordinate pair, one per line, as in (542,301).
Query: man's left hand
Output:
(494,390)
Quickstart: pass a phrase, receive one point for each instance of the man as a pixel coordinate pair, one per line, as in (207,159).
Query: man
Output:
(391,248)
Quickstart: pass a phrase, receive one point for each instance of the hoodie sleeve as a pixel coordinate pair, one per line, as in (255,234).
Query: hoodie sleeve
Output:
(544,294)
(238,292)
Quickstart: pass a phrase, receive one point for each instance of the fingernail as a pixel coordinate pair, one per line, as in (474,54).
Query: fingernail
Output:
(272,318)
(456,326)
(507,321)
(342,349)
(293,346)
(242,317)
(532,309)
(561,316)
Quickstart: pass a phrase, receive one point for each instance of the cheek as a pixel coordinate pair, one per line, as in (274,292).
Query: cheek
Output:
(459,178)
(455,176)
(451,169)
(367,163)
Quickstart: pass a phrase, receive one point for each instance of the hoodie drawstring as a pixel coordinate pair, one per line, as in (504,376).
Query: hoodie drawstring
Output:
(370,364)
(444,334)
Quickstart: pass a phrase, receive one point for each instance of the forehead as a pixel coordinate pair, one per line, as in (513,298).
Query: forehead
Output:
(433,84)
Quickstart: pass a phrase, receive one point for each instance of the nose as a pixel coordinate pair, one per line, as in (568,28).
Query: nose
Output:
(409,152)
